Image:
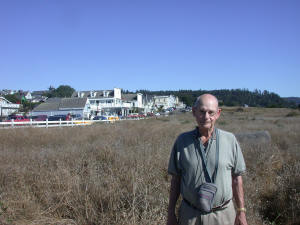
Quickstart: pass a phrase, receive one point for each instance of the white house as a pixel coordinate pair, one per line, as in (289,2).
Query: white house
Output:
(165,101)
(27,95)
(7,92)
(132,103)
(64,106)
(102,102)
(7,108)
(148,103)
(39,96)
(112,102)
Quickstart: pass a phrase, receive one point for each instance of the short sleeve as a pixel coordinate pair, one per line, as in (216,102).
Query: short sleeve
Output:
(239,162)
(173,167)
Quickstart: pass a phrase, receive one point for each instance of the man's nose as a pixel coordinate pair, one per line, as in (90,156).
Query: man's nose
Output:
(206,114)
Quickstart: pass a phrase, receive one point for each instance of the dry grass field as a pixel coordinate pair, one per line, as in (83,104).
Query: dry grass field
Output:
(117,173)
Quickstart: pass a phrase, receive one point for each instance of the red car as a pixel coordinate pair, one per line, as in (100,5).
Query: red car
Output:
(133,115)
(17,119)
(141,116)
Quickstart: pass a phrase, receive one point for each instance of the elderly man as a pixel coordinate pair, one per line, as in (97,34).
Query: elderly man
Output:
(204,157)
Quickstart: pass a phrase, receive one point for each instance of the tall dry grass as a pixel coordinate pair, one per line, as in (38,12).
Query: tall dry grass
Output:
(117,173)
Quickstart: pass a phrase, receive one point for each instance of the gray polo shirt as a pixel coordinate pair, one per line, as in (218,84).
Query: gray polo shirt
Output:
(185,161)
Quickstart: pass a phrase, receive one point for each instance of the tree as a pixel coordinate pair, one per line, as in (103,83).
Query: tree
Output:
(234,97)
(12,98)
(51,88)
(63,91)
(188,100)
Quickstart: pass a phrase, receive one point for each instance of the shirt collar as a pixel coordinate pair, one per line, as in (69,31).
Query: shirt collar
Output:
(197,134)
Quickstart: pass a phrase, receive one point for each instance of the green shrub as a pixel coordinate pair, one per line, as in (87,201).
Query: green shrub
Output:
(292,113)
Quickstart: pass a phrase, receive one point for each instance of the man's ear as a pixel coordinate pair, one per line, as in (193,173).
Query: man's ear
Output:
(219,113)
(193,110)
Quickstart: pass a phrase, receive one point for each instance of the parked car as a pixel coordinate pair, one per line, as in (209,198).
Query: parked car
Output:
(99,118)
(76,117)
(17,118)
(57,118)
(113,118)
(39,118)
(133,115)
(170,109)
(141,115)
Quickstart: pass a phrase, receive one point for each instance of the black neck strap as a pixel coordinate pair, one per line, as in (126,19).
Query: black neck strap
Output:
(208,178)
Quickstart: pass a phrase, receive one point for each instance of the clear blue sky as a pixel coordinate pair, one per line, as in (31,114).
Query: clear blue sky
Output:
(151,44)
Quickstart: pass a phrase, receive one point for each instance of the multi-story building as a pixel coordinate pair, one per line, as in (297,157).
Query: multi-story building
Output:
(165,102)
(7,108)
(102,102)
(132,103)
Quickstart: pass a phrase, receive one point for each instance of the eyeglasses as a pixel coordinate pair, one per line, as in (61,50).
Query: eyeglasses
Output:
(210,113)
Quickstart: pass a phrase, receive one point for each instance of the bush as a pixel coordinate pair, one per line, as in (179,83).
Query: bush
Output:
(292,113)
(282,205)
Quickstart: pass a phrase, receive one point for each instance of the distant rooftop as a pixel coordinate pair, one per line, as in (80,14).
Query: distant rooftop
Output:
(53,104)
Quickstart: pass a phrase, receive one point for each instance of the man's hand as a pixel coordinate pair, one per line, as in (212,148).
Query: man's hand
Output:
(238,193)
(172,220)
(240,219)
(174,194)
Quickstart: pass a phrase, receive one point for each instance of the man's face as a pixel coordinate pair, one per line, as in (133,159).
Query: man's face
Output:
(207,113)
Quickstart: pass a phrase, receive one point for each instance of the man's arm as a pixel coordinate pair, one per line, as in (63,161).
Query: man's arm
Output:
(174,195)
(238,194)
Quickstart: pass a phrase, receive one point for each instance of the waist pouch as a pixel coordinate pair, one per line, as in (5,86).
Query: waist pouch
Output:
(206,195)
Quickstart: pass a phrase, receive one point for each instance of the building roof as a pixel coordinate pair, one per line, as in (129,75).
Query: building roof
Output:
(129,97)
(87,94)
(7,92)
(39,99)
(2,99)
(55,99)
(163,96)
(148,98)
(55,104)
(68,103)
(39,93)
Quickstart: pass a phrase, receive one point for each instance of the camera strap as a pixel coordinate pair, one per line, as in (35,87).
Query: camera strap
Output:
(200,147)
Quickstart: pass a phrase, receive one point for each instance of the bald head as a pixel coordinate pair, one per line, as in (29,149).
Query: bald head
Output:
(206,98)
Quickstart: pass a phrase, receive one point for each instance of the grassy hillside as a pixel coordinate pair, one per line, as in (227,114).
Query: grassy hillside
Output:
(117,173)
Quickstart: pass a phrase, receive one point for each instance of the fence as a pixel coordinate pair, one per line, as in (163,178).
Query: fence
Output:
(59,123)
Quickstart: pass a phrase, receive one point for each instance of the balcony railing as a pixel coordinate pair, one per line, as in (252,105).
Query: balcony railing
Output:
(6,105)
(107,105)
